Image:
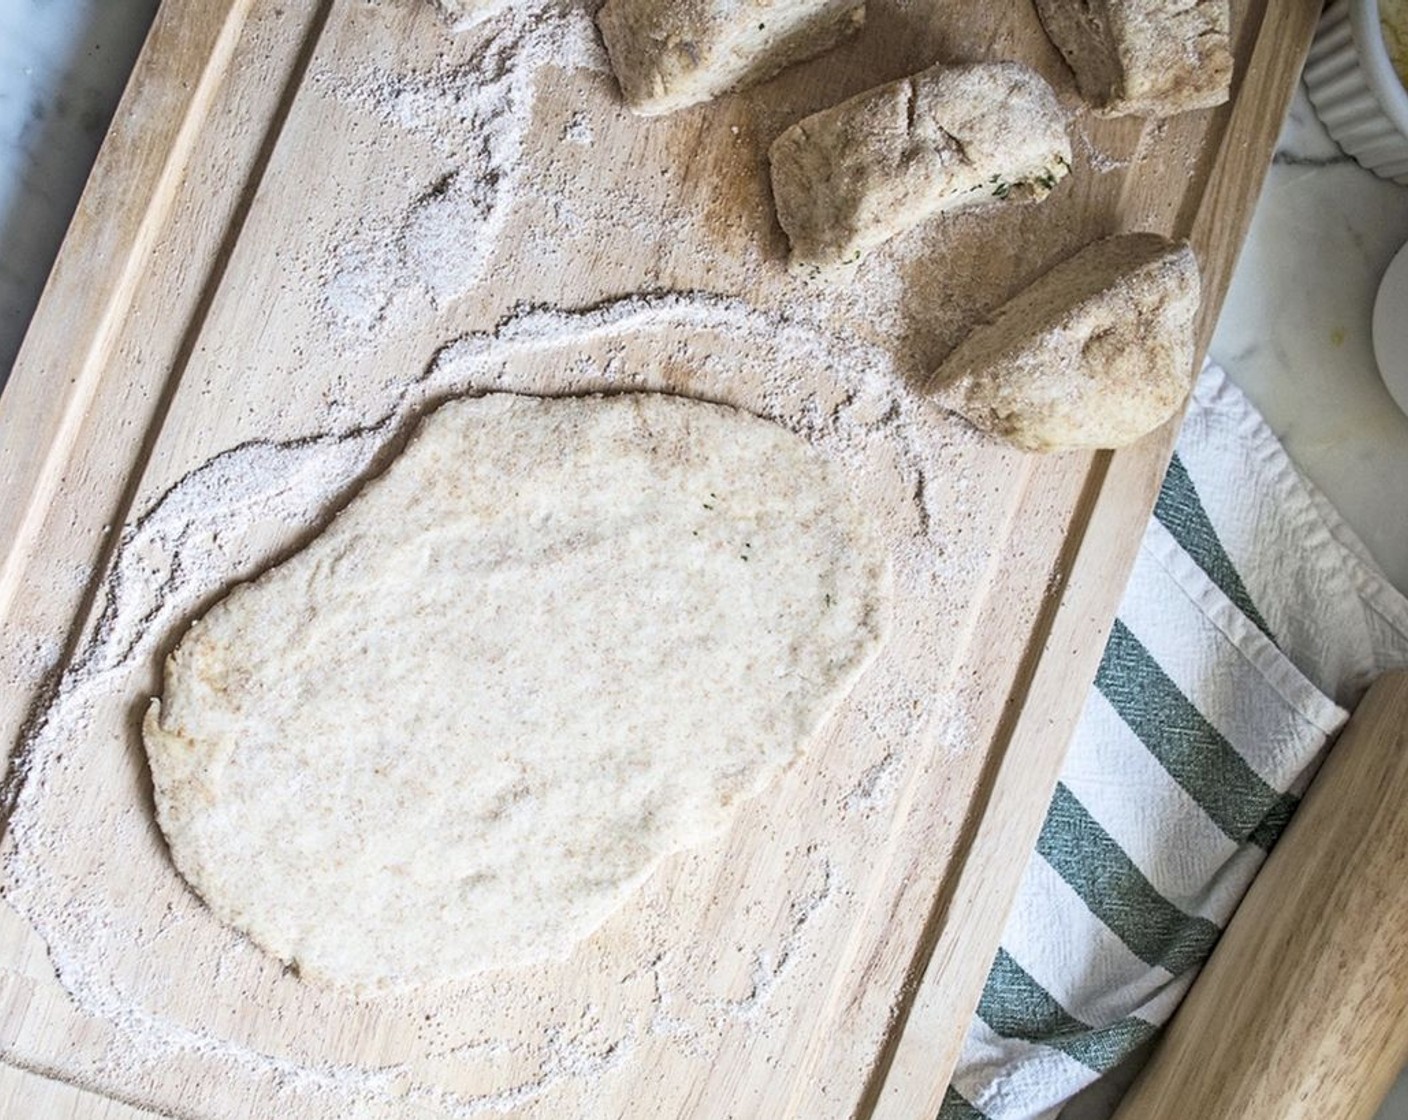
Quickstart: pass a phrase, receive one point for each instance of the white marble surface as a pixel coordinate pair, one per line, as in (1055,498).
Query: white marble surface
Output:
(1295,332)
(63,64)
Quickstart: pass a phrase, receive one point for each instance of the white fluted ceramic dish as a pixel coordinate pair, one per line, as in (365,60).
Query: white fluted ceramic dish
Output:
(1356,91)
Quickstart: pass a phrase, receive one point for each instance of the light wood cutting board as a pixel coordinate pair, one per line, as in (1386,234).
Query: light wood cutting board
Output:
(309,223)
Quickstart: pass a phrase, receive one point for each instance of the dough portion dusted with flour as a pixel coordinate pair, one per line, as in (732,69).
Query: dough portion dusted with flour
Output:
(557,640)
(847,179)
(670,54)
(1150,58)
(1095,354)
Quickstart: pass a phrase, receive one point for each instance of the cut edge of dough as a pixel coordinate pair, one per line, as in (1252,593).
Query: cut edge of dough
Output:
(1054,327)
(654,62)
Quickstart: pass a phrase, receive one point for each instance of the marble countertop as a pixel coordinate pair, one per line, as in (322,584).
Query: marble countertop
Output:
(1295,331)
(63,65)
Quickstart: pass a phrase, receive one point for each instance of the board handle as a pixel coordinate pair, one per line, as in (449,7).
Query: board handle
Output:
(1302,1010)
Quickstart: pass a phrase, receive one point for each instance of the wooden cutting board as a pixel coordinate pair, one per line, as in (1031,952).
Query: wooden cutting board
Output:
(308,224)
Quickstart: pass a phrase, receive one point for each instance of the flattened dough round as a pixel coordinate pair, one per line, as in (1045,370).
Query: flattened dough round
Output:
(558,639)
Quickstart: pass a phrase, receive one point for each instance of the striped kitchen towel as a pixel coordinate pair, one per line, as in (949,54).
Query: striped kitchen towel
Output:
(1252,621)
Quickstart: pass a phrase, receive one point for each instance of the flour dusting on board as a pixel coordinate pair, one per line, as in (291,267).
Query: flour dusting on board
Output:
(462,15)
(475,114)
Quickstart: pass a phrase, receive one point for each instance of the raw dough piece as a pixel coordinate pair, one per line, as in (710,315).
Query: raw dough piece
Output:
(850,177)
(1149,58)
(669,54)
(555,641)
(1096,353)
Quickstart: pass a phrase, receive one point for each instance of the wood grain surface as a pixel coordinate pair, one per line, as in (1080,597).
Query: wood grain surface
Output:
(1299,1012)
(824,960)
(26,1095)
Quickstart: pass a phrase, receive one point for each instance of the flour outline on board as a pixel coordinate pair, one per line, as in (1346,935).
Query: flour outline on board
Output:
(204,512)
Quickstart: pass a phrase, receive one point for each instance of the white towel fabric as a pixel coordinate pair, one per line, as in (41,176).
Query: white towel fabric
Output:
(1252,621)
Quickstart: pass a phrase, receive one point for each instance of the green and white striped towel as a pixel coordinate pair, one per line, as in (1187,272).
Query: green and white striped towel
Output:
(1252,621)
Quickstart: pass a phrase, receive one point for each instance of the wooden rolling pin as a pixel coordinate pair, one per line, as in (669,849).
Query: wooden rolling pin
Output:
(1302,1011)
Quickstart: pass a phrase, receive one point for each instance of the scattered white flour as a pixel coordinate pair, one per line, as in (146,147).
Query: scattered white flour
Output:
(37,658)
(771,965)
(578,129)
(484,102)
(1100,162)
(196,540)
(475,114)
(462,15)
(953,725)
(876,786)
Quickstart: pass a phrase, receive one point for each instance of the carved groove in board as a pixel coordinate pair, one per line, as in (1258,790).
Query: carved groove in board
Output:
(12,778)
(959,890)
(98,350)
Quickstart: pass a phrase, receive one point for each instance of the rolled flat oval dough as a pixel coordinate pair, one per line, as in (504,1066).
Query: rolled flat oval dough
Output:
(558,639)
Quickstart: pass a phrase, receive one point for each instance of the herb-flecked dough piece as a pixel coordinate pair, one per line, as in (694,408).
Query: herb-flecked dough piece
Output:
(1148,58)
(669,54)
(1095,354)
(849,178)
